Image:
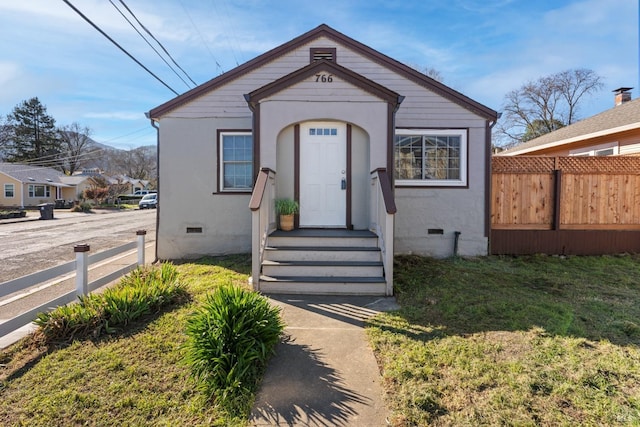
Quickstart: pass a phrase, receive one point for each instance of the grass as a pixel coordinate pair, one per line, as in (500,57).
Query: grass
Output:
(489,341)
(135,378)
(513,341)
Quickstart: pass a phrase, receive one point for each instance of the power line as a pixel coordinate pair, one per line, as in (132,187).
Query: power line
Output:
(201,37)
(150,45)
(119,47)
(159,44)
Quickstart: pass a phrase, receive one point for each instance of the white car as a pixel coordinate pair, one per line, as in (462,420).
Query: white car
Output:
(149,201)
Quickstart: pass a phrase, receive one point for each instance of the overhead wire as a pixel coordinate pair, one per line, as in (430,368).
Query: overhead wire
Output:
(149,43)
(204,42)
(232,31)
(157,41)
(119,47)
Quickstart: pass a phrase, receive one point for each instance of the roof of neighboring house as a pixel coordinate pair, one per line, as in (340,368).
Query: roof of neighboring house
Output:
(328,32)
(620,118)
(28,174)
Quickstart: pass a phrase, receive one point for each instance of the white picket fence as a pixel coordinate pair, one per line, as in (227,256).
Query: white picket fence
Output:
(83,287)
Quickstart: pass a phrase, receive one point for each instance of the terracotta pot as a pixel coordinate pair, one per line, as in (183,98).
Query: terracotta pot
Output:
(286,222)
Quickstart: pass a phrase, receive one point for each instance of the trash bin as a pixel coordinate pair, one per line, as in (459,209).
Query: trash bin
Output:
(46,210)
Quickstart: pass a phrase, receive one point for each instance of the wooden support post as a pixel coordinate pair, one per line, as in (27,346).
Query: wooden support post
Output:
(82,269)
(557,198)
(141,234)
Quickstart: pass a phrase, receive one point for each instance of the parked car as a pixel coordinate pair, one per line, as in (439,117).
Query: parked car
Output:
(149,201)
(134,197)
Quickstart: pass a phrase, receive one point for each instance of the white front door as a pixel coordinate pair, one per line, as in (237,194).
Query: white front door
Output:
(323,167)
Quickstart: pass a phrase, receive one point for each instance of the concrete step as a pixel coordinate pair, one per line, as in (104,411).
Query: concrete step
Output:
(314,285)
(321,253)
(323,268)
(323,237)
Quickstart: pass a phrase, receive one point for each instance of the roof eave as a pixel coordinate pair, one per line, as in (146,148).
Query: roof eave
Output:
(571,140)
(325,30)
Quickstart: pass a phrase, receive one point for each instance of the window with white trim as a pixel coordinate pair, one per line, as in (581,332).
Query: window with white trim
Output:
(36,190)
(9,191)
(236,164)
(434,157)
(608,149)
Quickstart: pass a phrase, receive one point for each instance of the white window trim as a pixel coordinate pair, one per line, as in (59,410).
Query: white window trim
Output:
(594,149)
(32,191)
(462,182)
(13,190)
(221,163)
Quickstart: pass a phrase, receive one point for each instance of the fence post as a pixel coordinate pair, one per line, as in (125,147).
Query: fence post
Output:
(141,234)
(82,269)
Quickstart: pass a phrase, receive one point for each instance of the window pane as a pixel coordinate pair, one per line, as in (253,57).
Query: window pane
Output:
(426,157)
(237,161)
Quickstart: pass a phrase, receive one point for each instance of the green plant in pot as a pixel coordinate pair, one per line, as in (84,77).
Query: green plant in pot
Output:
(286,208)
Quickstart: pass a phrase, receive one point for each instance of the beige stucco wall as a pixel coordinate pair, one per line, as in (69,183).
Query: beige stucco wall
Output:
(449,209)
(188,181)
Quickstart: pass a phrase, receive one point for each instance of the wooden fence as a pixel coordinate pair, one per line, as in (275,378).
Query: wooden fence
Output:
(565,205)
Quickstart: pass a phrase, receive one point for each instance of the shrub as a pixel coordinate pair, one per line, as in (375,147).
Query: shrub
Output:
(143,291)
(82,207)
(230,339)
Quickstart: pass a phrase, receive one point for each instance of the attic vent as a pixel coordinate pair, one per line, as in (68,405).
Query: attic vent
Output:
(323,53)
(31,179)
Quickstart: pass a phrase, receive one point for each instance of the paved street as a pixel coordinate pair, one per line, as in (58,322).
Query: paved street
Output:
(27,247)
(34,245)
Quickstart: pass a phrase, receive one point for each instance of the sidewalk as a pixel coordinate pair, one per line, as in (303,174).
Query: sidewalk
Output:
(34,215)
(324,374)
(65,284)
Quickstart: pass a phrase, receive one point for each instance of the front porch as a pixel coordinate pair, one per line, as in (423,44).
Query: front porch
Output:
(322,261)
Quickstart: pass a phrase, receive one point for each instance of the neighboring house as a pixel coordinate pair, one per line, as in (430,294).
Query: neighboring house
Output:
(28,186)
(362,141)
(132,184)
(613,132)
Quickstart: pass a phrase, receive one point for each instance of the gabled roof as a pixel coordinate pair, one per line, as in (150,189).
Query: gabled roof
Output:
(329,67)
(620,118)
(328,32)
(28,174)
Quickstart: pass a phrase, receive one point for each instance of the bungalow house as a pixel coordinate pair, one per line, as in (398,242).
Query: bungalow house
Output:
(611,133)
(381,158)
(28,186)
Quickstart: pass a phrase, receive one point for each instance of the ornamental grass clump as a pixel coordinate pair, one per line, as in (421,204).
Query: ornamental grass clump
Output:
(143,291)
(230,339)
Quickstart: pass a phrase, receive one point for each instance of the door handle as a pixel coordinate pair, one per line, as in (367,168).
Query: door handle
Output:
(344,184)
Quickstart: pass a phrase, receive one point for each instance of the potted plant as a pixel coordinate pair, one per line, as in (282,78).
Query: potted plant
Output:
(286,208)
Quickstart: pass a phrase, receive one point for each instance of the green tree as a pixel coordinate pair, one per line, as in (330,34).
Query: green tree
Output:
(31,134)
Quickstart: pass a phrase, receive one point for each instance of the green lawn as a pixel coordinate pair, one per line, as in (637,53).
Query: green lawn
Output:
(487,341)
(513,341)
(134,379)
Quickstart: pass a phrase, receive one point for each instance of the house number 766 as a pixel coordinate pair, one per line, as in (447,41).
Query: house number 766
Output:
(324,78)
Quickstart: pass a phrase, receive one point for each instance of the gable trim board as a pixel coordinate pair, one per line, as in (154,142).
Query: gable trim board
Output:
(275,94)
(326,31)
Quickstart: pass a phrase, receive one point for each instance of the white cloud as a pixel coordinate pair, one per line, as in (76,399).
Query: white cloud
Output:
(115,115)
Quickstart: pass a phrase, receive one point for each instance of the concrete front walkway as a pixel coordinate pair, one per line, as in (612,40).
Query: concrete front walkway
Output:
(324,373)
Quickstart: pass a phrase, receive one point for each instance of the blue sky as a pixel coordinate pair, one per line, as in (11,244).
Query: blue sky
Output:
(482,48)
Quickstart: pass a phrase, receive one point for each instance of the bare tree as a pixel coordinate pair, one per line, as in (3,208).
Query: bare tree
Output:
(544,105)
(138,163)
(76,147)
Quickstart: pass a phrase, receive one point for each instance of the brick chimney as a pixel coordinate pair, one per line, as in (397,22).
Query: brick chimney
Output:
(622,95)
